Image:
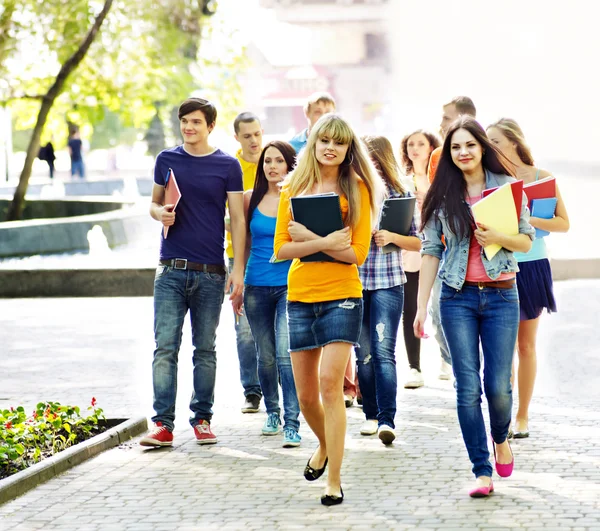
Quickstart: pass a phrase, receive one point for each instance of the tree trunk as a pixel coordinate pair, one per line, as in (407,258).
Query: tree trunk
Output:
(16,206)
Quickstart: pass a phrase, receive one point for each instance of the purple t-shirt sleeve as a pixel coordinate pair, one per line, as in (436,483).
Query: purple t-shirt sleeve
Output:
(235,182)
(160,170)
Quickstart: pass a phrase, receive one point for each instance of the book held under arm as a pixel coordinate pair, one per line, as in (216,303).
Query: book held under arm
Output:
(172,194)
(542,189)
(544,209)
(497,211)
(517,192)
(397,216)
(321,214)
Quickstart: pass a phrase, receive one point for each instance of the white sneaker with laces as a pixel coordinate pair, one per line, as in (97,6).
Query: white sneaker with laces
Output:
(415,380)
(445,371)
(369,427)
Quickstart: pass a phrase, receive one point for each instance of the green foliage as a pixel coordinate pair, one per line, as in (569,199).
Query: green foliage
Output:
(25,440)
(155,136)
(111,132)
(145,56)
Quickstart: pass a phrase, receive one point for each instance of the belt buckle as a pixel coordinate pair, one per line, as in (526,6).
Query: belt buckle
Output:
(178,261)
(481,285)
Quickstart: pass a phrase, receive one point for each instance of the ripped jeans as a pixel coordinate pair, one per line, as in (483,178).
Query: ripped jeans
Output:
(376,357)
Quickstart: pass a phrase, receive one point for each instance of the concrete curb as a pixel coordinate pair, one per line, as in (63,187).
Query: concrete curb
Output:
(21,482)
(62,235)
(126,282)
(575,268)
(139,282)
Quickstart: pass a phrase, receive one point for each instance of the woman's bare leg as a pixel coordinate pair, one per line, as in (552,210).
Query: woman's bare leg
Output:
(305,365)
(527,370)
(333,366)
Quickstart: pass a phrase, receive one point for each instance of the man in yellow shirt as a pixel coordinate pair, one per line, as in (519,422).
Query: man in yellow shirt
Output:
(248,132)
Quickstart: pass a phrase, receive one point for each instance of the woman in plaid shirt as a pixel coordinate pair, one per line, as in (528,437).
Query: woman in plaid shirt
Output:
(382,278)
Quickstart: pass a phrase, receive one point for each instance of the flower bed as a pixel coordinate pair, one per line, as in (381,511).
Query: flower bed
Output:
(51,428)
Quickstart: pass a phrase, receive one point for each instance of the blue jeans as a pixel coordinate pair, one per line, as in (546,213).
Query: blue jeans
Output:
(434,312)
(246,353)
(175,292)
(77,167)
(492,316)
(266,310)
(376,358)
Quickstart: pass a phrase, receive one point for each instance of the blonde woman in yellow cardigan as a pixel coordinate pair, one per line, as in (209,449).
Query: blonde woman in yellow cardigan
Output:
(325,298)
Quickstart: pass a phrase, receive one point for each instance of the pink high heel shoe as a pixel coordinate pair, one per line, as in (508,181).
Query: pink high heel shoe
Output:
(482,492)
(506,470)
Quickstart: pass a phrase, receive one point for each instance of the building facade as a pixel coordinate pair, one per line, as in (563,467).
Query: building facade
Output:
(338,46)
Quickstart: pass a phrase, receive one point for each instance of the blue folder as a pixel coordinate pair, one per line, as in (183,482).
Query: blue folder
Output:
(543,208)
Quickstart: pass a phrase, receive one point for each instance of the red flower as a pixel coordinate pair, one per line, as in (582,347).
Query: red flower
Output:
(8,425)
(93,401)
(35,415)
(12,408)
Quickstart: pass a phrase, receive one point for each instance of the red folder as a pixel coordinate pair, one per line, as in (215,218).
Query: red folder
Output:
(517,192)
(172,194)
(544,189)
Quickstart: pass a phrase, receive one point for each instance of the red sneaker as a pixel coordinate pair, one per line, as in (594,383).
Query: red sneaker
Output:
(203,433)
(159,436)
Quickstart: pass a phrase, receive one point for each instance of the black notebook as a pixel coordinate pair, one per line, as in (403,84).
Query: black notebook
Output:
(320,214)
(396,216)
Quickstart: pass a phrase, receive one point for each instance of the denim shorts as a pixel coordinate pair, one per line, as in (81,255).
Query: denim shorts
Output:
(316,324)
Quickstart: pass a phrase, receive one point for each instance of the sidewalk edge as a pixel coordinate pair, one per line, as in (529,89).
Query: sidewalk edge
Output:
(23,481)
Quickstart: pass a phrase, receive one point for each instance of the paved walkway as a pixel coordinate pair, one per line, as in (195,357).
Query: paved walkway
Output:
(72,349)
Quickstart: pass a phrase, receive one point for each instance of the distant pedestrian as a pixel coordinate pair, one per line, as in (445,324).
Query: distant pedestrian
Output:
(75,151)
(415,150)
(318,104)
(191,275)
(534,279)
(479,302)
(248,132)
(47,153)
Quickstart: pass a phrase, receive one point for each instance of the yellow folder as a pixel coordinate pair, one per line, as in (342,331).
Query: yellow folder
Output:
(497,211)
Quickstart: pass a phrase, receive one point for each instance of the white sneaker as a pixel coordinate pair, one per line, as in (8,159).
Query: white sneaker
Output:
(445,371)
(415,380)
(386,434)
(369,427)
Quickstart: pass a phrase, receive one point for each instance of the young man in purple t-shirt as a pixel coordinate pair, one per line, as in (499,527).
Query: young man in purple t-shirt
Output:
(191,274)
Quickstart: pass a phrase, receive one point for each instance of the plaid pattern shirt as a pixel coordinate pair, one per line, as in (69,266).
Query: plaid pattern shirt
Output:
(380,270)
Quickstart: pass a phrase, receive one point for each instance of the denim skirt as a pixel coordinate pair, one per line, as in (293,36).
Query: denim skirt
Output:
(534,282)
(316,324)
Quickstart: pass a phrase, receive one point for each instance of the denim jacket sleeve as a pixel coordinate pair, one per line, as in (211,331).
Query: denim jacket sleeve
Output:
(432,238)
(524,226)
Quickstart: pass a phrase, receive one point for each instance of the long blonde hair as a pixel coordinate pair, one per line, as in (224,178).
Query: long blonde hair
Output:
(511,130)
(356,165)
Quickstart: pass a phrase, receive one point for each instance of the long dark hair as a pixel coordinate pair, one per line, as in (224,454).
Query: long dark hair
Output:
(447,192)
(261,185)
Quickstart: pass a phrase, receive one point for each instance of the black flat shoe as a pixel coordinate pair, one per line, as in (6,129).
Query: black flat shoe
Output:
(310,473)
(332,500)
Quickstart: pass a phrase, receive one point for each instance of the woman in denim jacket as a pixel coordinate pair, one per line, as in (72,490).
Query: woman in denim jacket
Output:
(479,300)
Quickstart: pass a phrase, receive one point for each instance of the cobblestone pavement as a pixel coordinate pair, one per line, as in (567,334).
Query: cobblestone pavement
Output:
(72,349)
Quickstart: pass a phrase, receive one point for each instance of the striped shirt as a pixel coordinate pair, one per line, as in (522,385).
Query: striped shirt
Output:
(381,270)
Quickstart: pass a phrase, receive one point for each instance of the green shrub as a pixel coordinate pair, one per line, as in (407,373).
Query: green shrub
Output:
(25,440)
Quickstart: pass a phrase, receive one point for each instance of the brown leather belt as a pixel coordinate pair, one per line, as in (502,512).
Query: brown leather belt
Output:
(182,263)
(498,284)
